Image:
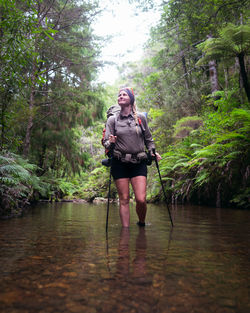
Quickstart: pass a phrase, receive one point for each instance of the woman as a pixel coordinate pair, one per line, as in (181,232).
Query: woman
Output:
(128,133)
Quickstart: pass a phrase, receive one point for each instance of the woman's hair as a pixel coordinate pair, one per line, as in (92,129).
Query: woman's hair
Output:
(131,95)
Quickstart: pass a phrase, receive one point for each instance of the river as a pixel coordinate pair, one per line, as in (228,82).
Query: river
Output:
(57,258)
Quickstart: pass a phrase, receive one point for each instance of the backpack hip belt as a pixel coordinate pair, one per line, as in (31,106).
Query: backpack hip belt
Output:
(130,157)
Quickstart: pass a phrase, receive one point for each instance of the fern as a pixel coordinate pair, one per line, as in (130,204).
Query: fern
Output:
(232,136)
(217,154)
(241,115)
(196,145)
(211,151)
(180,163)
(242,198)
(232,41)
(18,181)
(233,155)
(8,181)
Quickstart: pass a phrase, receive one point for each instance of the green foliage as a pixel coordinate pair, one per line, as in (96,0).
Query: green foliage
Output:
(198,18)
(213,161)
(232,41)
(96,184)
(184,126)
(89,185)
(18,31)
(46,87)
(18,184)
(242,199)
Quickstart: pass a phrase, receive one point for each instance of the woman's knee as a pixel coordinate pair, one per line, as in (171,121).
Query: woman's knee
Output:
(141,201)
(124,200)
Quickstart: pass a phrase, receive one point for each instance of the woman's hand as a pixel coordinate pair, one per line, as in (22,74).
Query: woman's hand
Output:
(112,138)
(157,155)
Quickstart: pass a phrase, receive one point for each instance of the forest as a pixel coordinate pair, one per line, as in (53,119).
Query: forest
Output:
(193,81)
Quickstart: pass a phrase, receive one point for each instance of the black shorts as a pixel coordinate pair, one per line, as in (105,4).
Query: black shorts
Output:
(121,169)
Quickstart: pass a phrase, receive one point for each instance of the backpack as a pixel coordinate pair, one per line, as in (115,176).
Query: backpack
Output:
(115,110)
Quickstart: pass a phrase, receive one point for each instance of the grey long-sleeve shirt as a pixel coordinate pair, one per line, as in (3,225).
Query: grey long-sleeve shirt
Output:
(128,140)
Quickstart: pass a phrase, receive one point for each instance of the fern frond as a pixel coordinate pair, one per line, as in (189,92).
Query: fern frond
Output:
(208,152)
(196,145)
(5,160)
(16,170)
(180,164)
(8,181)
(202,177)
(239,35)
(241,115)
(232,136)
(233,155)
(233,40)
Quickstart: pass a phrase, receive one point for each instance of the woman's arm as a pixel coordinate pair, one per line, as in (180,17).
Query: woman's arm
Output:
(148,138)
(147,134)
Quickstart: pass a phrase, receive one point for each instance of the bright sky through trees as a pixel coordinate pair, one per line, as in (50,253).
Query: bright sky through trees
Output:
(129,28)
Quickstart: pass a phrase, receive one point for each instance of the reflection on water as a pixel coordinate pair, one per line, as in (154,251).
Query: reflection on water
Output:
(139,261)
(58,259)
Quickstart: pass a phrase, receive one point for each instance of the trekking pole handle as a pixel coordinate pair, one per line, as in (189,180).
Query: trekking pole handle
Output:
(155,157)
(153,150)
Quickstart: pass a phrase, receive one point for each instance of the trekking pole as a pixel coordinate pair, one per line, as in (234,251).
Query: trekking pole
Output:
(107,217)
(165,196)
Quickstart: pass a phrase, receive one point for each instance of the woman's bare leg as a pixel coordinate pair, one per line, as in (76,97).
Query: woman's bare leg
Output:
(139,184)
(122,186)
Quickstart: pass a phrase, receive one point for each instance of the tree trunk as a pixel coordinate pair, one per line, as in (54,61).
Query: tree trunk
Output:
(6,98)
(26,147)
(183,61)
(3,109)
(243,74)
(226,78)
(213,76)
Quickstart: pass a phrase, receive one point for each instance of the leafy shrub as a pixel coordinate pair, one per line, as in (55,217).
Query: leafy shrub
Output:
(18,184)
(211,164)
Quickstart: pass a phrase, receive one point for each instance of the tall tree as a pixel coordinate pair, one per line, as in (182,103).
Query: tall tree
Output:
(70,56)
(233,43)
(17,30)
(49,61)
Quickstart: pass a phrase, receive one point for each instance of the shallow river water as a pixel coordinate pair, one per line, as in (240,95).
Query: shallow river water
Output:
(57,258)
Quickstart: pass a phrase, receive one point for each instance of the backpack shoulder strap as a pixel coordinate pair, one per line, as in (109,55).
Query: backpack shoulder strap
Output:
(116,115)
(141,120)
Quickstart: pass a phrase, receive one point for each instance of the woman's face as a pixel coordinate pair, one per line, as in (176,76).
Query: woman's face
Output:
(123,98)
